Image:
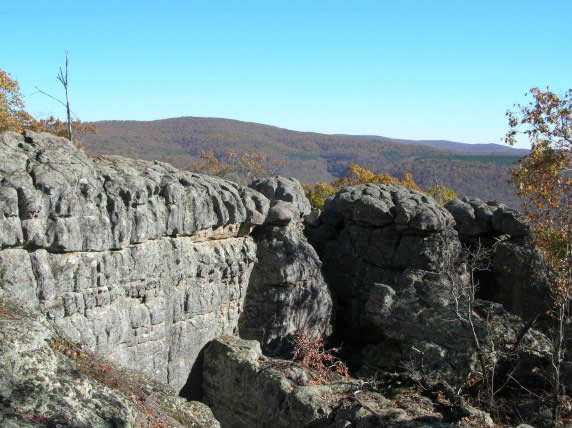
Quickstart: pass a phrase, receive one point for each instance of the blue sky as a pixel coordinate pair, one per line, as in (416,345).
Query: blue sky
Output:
(408,69)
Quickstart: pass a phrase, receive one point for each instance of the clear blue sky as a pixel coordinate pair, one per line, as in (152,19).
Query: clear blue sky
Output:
(406,69)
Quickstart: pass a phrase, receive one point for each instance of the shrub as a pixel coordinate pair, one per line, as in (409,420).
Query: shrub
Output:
(311,353)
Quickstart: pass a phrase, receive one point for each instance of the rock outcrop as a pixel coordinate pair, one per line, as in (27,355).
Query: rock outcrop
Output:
(200,284)
(518,276)
(145,263)
(394,262)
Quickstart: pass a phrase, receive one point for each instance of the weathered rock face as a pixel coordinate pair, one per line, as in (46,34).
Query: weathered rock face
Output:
(476,218)
(135,259)
(287,292)
(392,258)
(371,234)
(54,198)
(145,263)
(41,385)
(518,276)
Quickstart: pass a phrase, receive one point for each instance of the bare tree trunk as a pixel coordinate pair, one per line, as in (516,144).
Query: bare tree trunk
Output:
(557,357)
(63,78)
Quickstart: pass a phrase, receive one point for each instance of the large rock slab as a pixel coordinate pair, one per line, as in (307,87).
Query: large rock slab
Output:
(55,198)
(370,234)
(146,263)
(152,305)
(134,259)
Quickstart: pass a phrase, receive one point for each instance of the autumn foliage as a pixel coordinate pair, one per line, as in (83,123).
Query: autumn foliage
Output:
(441,194)
(543,179)
(242,168)
(12,114)
(356,174)
(311,352)
(14,117)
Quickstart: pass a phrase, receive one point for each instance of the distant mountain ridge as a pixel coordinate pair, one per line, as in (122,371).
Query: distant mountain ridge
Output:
(481,148)
(471,169)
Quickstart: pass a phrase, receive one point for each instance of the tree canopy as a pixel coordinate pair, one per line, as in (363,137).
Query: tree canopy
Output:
(13,117)
(543,178)
(240,167)
(356,174)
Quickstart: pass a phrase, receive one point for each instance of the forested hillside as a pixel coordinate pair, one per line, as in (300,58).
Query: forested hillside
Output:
(311,157)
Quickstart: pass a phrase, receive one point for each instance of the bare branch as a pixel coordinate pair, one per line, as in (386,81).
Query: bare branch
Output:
(50,96)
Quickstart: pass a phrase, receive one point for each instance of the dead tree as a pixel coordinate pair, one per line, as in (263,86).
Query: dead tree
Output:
(64,80)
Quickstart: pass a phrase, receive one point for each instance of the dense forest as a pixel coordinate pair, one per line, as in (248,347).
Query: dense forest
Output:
(312,157)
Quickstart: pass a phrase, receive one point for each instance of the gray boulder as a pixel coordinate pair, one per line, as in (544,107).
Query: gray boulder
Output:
(379,205)
(372,233)
(477,218)
(395,265)
(287,199)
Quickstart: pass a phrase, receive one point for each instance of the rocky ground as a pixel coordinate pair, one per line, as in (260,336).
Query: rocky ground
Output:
(129,288)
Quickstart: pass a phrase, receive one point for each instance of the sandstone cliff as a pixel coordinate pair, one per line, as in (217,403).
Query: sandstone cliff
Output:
(138,260)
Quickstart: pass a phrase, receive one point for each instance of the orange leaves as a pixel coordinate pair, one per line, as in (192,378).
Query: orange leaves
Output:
(311,353)
(12,114)
(13,117)
(355,174)
(544,179)
(59,128)
(242,168)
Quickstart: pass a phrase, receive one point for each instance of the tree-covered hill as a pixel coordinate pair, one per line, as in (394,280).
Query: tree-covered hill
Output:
(311,157)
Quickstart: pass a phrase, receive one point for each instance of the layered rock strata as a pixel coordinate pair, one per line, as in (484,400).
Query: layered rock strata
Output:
(145,263)
(137,260)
